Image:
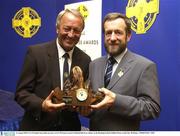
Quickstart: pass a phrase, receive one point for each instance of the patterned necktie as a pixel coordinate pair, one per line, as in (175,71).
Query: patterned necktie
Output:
(107,77)
(65,67)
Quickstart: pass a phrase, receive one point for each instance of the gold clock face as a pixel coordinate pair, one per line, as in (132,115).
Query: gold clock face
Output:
(81,94)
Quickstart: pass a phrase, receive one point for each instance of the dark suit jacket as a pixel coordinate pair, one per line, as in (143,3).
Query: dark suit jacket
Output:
(137,93)
(39,76)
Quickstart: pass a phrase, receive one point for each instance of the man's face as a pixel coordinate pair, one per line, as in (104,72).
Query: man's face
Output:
(115,36)
(69,31)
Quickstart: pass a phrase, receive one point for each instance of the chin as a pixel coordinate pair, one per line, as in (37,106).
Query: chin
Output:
(67,48)
(114,53)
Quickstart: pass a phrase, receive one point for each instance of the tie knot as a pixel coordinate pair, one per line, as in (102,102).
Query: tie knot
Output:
(66,55)
(111,60)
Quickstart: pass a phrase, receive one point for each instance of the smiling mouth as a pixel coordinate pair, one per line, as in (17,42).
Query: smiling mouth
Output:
(113,45)
(69,40)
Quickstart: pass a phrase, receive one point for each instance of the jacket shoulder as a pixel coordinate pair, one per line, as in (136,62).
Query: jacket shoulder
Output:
(81,54)
(98,60)
(141,60)
(41,48)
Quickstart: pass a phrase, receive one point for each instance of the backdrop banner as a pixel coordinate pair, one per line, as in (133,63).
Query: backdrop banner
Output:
(90,41)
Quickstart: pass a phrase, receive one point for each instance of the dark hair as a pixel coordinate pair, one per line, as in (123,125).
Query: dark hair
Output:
(72,11)
(114,16)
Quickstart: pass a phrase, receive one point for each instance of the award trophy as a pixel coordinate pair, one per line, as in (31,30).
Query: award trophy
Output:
(76,92)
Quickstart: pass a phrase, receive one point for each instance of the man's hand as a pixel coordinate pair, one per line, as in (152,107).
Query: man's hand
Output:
(48,106)
(107,101)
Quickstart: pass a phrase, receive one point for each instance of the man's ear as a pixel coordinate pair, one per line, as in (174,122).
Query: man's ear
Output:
(128,37)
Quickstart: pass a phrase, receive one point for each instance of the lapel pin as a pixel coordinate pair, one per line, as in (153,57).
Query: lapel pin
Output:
(120,74)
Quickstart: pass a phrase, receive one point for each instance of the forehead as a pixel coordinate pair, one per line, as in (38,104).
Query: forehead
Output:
(70,19)
(117,24)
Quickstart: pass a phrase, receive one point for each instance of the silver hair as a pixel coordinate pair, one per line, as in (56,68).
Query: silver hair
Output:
(72,11)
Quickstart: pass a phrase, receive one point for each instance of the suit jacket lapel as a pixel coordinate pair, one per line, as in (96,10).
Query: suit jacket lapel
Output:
(121,69)
(53,63)
(75,58)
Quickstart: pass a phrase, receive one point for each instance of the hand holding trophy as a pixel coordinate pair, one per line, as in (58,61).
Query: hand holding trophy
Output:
(77,93)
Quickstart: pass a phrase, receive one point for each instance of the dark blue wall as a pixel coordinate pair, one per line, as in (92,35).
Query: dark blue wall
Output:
(160,44)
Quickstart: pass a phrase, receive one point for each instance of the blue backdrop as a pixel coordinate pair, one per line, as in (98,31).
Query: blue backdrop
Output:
(160,44)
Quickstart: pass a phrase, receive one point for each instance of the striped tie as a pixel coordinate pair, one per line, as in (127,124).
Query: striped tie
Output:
(65,67)
(107,77)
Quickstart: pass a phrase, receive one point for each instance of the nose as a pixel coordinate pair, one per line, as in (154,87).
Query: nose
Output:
(113,36)
(71,33)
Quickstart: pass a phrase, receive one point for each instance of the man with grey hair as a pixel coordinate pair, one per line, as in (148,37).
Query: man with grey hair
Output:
(47,66)
(129,81)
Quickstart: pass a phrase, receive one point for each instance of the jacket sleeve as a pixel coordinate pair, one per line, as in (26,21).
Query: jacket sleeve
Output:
(25,95)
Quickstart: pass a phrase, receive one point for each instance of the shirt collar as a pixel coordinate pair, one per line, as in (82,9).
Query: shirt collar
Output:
(120,56)
(61,51)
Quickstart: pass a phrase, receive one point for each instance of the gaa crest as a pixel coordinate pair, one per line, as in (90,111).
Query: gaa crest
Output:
(26,22)
(142,14)
(83,10)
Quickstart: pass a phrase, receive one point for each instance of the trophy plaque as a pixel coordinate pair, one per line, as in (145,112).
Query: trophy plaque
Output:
(76,92)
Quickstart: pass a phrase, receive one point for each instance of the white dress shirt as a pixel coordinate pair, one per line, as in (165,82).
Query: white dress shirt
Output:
(118,60)
(61,52)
